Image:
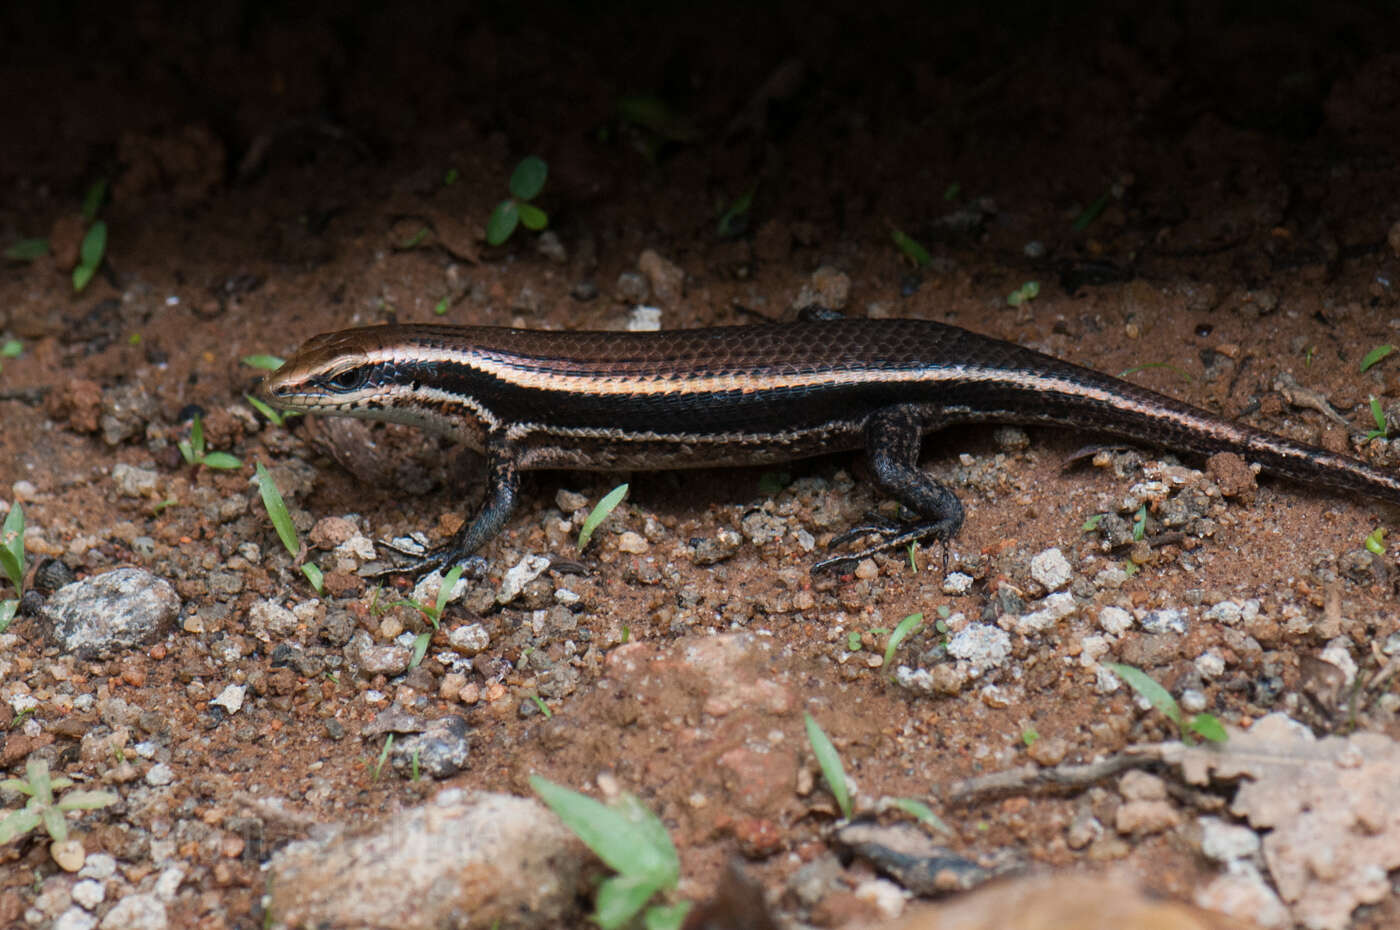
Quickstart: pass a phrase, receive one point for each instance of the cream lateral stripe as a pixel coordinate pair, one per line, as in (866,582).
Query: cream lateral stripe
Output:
(499,367)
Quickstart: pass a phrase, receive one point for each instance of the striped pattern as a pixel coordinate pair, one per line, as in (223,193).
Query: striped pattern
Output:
(745,395)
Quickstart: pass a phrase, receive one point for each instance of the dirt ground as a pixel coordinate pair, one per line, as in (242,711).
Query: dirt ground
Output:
(1205,195)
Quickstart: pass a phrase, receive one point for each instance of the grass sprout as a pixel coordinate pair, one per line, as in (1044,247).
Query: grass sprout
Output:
(600,513)
(1375,355)
(1207,726)
(902,629)
(282,523)
(1382,430)
(632,841)
(910,248)
(829,760)
(432,614)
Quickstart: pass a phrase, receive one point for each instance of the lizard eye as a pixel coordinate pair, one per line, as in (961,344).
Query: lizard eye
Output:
(351,379)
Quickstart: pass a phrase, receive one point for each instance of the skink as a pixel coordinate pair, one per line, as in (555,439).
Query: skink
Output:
(749,395)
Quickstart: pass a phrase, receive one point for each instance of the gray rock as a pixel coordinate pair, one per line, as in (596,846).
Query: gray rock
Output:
(121,609)
(442,749)
(461,861)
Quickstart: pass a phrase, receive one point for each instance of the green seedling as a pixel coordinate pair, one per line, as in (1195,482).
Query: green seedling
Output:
(274,416)
(262,362)
(1375,541)
(543,707)
(952,192)
(11,348)
(1086,219)
(441,307)
(1023,294)
(383,757)
(27,250)
(922,813)
(1092,523)
(282,522)
(632,841)
(41,809)
(1375,355)
(432,614)
(829,760)
(902,630)
(1140,524)
(195,454)
(1029,736)
(600,513)
(12,562)
(526,182)
(1207,726)
(451,176)
(734,219)
(415,240)
(911,249)
(853,642)
(90,255)
(93,199)
(1382,430)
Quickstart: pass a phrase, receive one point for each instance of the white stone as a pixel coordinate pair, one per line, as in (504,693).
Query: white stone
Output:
(1050,569)
(231,698)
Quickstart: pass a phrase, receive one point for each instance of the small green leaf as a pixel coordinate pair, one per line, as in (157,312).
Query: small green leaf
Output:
(613,836)
(186,451)
(11,348)
(544,708)
(275,417)
(829,760)
(12,546)
(55,824)
(17,823)
(1375,541)
(420,648)
(1091,212)
(1026,292)
(451,177)
(277,510)
(532,217)
(1148,688)
(666,917)
(82,277)
(853,641)
(1140,524)
(1375,355)
(383,757)
(1029,736)
(92,200)
(441,306)
(415,240)
(314,575)
(8,609)
(197,436)
(528,179)
(901,631)
(922,813)
(1208,727)
(222,461)
(912,250)
(449,584)
(94,245)
(1378,415)
(86,800)
(622,897)
(952,191)
(264,362)
(27,250)
(1092,523)
(600,513)
(502,222)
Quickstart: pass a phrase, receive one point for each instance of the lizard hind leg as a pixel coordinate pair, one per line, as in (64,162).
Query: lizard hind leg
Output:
(892,440)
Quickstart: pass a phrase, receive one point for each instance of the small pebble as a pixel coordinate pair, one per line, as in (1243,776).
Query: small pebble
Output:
(68,854)
(957,583)
(1050,569)
(160,775)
